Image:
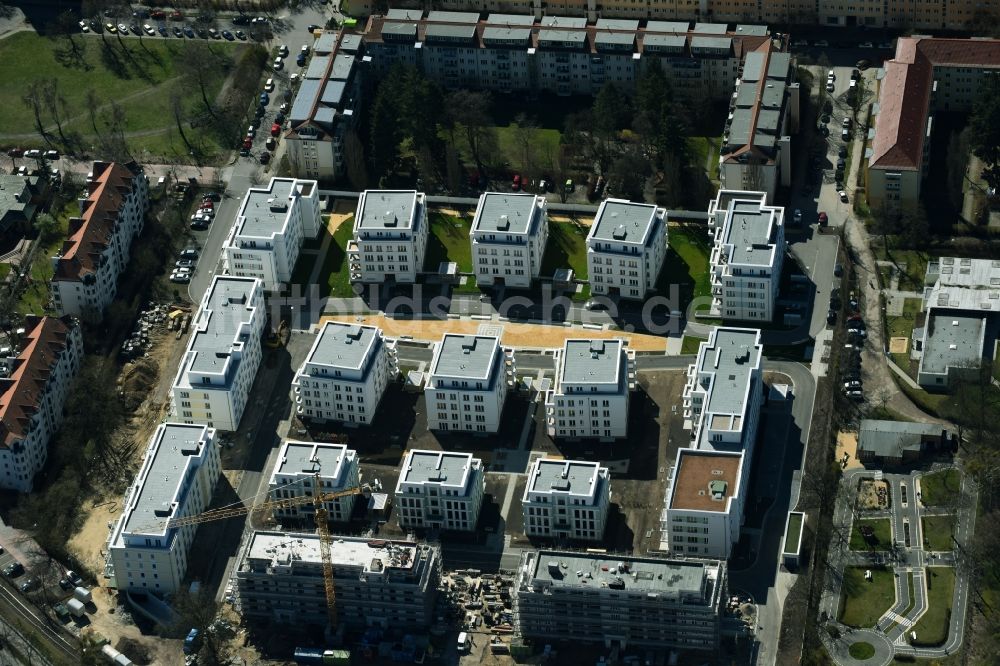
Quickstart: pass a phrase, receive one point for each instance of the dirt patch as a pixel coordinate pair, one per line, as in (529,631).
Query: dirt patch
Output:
(515,335)
(847,450)
(899,345)
(114,622)
(873,494)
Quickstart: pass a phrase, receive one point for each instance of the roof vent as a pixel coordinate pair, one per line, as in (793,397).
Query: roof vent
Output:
(389,219)
(718,489)
(503,224)
(619,233)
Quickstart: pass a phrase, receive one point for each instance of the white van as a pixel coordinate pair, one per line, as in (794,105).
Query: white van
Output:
(464,642)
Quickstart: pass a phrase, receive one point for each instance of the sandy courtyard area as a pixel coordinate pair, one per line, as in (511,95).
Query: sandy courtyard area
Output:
(514,335)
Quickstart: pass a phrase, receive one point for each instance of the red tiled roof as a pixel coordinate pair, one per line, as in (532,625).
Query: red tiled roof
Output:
(44,341)
(89,234)
(905,91)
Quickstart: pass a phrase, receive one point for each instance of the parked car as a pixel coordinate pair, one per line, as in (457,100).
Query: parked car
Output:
(177,31)
(84,27)
(33,154)
(269,85)
(301,60)
(13,570)
(841,164)
(852,384)
(176,15)
(29,585)
(271,143)
(265,157)
(829,86)
(275,129)
(312,27)
(240,35)
(264,99)
(283,50)
(278,64)
(133,28)
(797,216)
(229,37)
(206,212)
(838,270)
(184,263)
(149,30)
(516,182)
(110,27)
(180,278)
(211,196)
(122,28)
(822,219)
(163,31)
(843,195)
(158,14)
(831,317)
(213,33)
(189,32)
(207,203)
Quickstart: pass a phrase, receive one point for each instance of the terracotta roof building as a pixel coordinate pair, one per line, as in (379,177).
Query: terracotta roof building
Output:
(925,76)
(96,249)
(33,387)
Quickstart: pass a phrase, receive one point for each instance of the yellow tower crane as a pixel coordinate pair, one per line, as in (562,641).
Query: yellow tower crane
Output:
(317,499)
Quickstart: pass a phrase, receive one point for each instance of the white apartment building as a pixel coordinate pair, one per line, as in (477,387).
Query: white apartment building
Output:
(704,504)
(345,374)
(96,250)
(566,499)
(390,236)
(560,53)
(508,236)
(747,255)
(625,248)
(294,475)
(223,354)
(467,383)
(34,384)
(272,223)
(724,391)
(378,583)
(591,391)
(177,479)
(322,118)
(440,490)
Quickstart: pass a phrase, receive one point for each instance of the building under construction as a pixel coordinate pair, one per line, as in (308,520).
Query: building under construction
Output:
(615,601)
(378,583)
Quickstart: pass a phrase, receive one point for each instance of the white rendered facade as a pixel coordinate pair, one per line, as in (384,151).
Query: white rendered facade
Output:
(625,248)
(591,392)
(96,251)
(467,384)
(265,239)
(33,391)
(177,478)
(223,354)
(440,490)
(390,236)
(508,238)
(345,374)
(566,499)
(294,475)
(704,505)
(747,255)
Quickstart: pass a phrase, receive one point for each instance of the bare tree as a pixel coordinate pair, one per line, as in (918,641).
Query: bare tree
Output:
(177,109)
(56,104)
(33,99)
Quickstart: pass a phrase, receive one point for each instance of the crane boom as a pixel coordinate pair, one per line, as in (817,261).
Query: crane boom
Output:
(230,512)
(324,550)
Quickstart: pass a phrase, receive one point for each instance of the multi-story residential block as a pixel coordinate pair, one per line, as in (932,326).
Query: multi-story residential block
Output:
(722,399)
(724,391)
(294,475)
(747,255)
(33,389)
(390,236)
(566,499)
(177,478)
(704,504)
(922,14)
(345,374)
(223,354)
(625,248)
(322,116)
(440,490)
(378,583)
(926,75)
(467,383)
(265,239)
(628,602)
(508,237)
(756,148)
(961,321)
(591,391)
(96,251)
(20,197)
(560,53)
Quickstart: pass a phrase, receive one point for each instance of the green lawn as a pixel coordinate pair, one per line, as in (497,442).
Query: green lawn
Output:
(882,536)
(686,264)
(542,148)
(704,148)
(928,402)
(566,248)
(912,265)
(861,651)
(449,241)
(140,77)
(940,488)
(334,279)
(690,344)
(902,327)
(35,298)
(863,602)
(932,628)
(937,532)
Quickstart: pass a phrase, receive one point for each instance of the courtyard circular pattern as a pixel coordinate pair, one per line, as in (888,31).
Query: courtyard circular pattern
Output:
(862,651)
